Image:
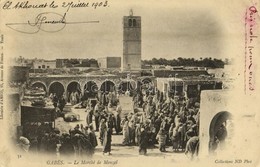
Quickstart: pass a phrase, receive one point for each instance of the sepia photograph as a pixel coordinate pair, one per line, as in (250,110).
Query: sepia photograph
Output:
(129,83)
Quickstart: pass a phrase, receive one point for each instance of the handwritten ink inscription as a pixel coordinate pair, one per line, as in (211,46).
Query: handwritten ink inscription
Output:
(8,5)
(250,44)
(49,21)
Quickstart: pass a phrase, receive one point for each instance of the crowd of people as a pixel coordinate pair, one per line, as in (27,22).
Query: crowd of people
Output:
(79,141)
(170,121)
(161,119)
(157,118)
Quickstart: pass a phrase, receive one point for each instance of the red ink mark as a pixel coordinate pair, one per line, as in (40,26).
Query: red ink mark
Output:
(245,53)
(250,43)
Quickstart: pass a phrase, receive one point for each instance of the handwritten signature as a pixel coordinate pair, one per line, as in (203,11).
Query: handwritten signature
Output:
(48,22)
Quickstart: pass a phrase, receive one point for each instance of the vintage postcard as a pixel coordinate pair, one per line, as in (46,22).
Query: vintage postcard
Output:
(129,83)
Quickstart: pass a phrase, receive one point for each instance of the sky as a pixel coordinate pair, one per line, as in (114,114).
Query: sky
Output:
(188,29)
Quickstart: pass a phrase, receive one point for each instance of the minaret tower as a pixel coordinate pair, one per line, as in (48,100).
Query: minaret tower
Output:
(131,42)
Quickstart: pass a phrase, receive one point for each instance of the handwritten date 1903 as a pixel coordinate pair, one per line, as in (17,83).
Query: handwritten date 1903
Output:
(94,5)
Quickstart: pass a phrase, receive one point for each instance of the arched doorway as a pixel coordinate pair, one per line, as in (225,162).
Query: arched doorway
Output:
(57,88)
(147,85)
(39,85)
(90,90)
(107,86)
(73,92)
(146,81)
(218,131)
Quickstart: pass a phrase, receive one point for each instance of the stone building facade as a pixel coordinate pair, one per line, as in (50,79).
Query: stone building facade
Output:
(109,62)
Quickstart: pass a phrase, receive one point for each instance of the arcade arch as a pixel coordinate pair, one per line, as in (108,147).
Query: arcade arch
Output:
(39,85)
(90,90)
(147,84)
(108,86)
(73,92)
(57,88)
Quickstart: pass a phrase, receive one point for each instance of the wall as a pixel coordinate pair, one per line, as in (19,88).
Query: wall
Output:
(109,62)
(241,143)
(14,114)
(181,73)
(19,74)
(113,62)
(59,63)
(212,102)
(44,64)
(102,62)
